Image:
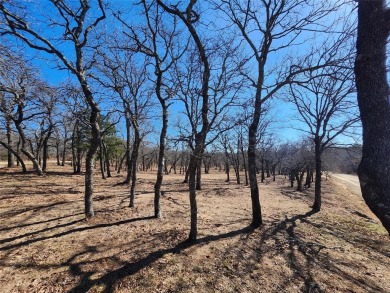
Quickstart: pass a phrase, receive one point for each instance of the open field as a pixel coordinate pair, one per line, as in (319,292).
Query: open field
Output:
(46,245)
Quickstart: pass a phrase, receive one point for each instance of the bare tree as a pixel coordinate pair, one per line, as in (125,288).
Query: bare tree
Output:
(161,45)
(120,73)
(267,28)
(74,22)
(374,104)
(326,108)
(189,17)
(18,85)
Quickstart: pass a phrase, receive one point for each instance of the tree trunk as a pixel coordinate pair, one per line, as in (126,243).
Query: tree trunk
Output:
(89,161)
(58,153)
(160,164)
(46,147)
(64,152)
(317,184)
(199,174)
(308,178)
(101,160)
(227,164)
(10,154)
(192,192)
(128,143)
(292,177)
(20,160)
(244,165)
(374,105)
(23,149)
(262,170)
(134,159)
(107,159)
(121,162)
(299,176)
(255,196)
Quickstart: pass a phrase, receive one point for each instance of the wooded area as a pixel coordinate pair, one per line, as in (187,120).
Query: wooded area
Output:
(114,92)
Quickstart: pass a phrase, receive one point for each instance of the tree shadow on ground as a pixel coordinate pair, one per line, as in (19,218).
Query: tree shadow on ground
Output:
(109,279)
(71,231)
(304,256)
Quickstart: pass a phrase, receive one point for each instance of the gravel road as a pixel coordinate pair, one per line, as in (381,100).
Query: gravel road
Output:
(350,181)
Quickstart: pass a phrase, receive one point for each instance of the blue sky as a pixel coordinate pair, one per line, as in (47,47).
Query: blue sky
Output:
(282,111)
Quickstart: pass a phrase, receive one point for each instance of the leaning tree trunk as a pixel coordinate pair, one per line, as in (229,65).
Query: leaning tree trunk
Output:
(374,104)
(23,149)
(20,160)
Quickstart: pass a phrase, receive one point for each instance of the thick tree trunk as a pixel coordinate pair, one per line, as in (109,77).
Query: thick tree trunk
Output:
(374,104)
(255,196)
(89,163)
(134,161)
(317,184)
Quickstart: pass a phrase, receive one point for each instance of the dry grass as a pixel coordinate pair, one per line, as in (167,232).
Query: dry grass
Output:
(46,245)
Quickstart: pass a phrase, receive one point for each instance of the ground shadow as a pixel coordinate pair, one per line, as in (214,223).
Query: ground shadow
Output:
(67,232)
(109,280)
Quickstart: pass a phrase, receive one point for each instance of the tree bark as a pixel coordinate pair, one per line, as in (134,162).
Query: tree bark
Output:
(374,104)
(101,160)
(134,159)
(317,185)
(160,165)
(128,143)
(20,160)
(255,196)
(46,147)
(10,154)
(199,174)
(107,159)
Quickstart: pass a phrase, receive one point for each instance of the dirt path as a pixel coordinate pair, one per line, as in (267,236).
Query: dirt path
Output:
(351,182)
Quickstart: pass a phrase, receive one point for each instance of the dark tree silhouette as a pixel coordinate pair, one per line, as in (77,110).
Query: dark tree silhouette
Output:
(374,104)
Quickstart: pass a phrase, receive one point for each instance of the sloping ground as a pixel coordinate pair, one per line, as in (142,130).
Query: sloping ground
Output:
(47,246)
